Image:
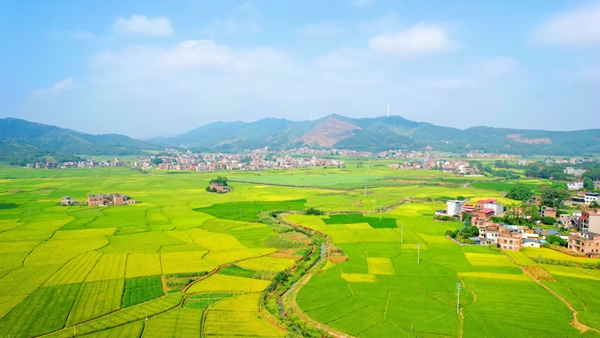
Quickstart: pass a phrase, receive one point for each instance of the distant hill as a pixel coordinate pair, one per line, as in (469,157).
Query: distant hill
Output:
(23,141)
(383,133)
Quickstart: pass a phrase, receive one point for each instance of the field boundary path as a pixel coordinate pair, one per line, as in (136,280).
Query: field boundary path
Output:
(575,322)
(290,295)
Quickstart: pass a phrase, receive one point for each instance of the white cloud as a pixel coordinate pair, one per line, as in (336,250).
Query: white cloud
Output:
(203,58)
(321,30)
(362,3)
(57,88)
(576,28)
(141,25)
(416,41)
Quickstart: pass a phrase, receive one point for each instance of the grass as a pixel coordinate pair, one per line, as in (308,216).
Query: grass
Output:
(234,270)
(95,299)
(359,218)
(184,321)
(224,283)
(236,316)
(139,290)
(204,300)
(248,211)
(45,310)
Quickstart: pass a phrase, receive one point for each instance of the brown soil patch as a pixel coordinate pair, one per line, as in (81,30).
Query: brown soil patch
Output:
(285,253)
(538,273)
(338,259)
(517,137)
(329,132)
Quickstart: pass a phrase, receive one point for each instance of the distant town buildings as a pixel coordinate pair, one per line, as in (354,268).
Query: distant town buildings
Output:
(573,171)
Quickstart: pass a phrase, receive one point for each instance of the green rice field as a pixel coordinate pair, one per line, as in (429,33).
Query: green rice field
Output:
(186,263)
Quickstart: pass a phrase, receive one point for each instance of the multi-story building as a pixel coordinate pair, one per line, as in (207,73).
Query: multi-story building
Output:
(585,242)
(509,239)
(548,212)
(575,185)
(95,200)
(589,221)
(454,207)
(590,197)
(497,207)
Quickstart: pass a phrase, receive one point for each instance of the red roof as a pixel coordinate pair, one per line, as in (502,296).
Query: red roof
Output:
(491,200)
(488,211)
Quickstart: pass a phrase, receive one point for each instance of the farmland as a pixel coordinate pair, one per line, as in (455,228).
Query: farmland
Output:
(183,262)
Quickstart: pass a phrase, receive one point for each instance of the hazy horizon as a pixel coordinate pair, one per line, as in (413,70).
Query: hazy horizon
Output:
(147,69)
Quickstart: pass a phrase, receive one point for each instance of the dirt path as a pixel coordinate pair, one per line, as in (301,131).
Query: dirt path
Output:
(290,298)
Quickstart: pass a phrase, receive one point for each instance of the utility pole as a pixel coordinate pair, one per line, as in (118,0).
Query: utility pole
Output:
(402,235)
(419,253)
(367,179)
(458,285)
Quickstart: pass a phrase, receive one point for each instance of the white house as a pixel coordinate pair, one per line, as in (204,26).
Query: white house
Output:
(530,243)
(454,207)
(497,207)
(590,197)
(575,185)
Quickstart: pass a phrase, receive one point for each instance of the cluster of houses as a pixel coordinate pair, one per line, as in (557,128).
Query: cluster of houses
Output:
(570,160)
(101,200)
(220,188)
(89,163)
(583,239)
(251,161)
(456,167)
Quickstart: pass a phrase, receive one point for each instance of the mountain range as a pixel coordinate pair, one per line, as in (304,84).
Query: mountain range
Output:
(22,140)
(382,133)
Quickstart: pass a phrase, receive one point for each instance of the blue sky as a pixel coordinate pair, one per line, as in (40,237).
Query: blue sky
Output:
(150,68)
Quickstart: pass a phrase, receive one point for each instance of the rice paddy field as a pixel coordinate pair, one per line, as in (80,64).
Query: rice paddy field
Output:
(186,263)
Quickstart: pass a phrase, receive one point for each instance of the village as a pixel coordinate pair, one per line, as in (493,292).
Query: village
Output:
(578,232)
(100,200)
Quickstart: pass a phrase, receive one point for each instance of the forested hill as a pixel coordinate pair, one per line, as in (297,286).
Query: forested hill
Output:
(383,133)
(24,142)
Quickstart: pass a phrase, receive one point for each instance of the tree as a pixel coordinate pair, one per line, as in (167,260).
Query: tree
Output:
(467,218)
(553,239)
(588,184)
(553,197)
(594,204)
(520,192)
(219,180)
(548,220)
(157,160)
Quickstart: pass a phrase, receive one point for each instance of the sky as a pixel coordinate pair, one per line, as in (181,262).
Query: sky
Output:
(161,68)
